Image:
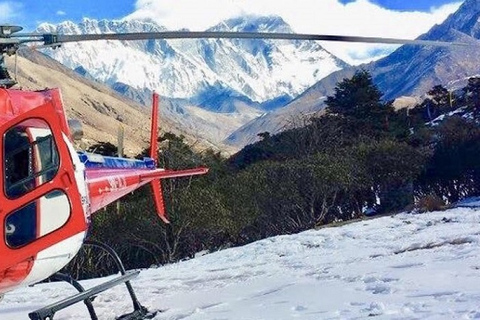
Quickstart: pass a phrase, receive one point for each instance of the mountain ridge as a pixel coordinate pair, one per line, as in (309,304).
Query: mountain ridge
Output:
(218,75)
(408,71)
(183,67)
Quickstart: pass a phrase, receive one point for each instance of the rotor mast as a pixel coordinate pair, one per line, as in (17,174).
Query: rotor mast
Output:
(8,46)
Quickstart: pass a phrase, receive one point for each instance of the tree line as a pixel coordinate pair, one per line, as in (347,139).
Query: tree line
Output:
(361,156)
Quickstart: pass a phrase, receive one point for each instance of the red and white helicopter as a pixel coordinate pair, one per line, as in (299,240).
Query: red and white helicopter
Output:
(49,191)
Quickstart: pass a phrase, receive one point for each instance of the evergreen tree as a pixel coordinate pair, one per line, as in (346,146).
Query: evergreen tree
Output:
(453,171)
(358,102)
(441,97)
(392,167)
(472,92)
(439,102)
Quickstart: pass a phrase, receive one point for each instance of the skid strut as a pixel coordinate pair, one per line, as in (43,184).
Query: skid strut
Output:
(139,312)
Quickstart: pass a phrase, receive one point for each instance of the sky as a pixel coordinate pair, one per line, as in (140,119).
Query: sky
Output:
(407,266)
(387,18)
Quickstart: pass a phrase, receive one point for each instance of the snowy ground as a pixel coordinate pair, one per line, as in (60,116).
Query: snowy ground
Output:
(410,266)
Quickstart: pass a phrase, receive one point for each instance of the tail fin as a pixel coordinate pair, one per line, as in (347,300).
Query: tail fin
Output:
(155,184)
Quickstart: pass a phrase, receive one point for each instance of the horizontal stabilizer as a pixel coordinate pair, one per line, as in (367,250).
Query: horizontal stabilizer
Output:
(165,173)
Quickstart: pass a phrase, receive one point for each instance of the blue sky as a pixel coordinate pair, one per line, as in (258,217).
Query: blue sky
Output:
(407,5)
(30,13)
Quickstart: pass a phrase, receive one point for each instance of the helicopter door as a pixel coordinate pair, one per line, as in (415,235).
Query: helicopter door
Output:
(31,159)
(40,205)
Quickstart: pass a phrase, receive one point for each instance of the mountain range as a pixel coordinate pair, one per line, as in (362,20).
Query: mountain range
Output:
(239,78)
(228,91)
(259,70)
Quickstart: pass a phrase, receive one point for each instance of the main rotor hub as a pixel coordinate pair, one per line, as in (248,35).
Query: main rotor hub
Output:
(9,47)
(7,30)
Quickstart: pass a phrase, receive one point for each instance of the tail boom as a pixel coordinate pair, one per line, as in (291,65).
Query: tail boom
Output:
(108,185)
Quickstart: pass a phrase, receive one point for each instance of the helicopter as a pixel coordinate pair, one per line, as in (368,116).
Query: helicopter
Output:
(50,191)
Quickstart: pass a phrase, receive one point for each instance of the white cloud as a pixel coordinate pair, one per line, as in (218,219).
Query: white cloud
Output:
(360,18)
(61,13)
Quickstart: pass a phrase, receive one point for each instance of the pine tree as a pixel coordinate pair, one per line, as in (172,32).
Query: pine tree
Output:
(355,97)
(358,102)
(472,93)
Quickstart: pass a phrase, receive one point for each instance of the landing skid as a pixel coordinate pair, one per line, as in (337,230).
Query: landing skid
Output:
(139,312)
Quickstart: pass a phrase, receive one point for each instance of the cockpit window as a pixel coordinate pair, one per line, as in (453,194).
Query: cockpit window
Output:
(31,157)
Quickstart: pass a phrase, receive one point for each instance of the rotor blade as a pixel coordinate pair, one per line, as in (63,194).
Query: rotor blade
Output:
(245,35)
(41,46)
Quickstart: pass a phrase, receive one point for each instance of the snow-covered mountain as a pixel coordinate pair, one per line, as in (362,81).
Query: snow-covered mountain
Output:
(262,71)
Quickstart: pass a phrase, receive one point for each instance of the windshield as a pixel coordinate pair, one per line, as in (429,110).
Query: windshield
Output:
(31,157)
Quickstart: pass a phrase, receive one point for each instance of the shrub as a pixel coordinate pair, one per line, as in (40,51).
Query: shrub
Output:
(430,203)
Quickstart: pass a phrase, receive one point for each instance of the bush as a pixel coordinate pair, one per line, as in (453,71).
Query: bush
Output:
(430,203)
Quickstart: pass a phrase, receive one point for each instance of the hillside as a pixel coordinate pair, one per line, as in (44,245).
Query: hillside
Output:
(100,109)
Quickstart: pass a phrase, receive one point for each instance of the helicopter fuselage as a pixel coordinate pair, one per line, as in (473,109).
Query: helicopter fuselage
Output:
(48,190)
(44,196)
